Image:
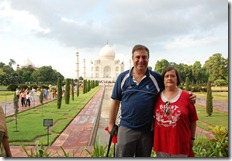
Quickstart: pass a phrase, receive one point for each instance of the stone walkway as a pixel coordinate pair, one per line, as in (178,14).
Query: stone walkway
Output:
(217,104)
(104,117)
(8,106)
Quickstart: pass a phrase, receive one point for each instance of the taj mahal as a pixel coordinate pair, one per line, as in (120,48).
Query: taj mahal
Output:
(105,67)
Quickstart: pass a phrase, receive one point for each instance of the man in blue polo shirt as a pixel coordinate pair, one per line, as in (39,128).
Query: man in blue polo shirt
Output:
(135,90)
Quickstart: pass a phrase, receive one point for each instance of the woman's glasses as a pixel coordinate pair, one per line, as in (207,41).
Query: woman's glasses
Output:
(167,107)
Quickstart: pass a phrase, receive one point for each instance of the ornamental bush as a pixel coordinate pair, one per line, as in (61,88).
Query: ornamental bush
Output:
(216,147)
(209,100)
(12,87)
(59,92)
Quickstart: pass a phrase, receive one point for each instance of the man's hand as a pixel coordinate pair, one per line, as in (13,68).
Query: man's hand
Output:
(192,97)
(110,127)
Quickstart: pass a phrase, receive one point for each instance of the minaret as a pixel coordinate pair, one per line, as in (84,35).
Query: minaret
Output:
(84,69)
(77,63)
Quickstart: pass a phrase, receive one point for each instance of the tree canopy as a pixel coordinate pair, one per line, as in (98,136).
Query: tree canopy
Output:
(44,74)
(215,70)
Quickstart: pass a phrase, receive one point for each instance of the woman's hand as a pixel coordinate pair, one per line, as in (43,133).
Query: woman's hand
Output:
(192,97)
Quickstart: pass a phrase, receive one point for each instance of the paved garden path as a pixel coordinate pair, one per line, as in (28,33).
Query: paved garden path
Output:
(217,104)
(8,107)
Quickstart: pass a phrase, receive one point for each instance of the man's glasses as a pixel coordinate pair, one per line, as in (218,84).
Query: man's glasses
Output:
(167,107)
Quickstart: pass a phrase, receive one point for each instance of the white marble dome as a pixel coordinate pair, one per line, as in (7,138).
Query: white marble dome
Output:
(107,52)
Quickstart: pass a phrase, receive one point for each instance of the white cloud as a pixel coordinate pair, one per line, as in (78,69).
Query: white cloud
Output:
(176,30)
(24,18)
(191,43)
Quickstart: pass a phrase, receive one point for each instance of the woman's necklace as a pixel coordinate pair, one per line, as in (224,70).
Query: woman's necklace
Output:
(170,94)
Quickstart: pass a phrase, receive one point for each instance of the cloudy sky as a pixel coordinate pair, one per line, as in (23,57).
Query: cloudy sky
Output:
(50,32)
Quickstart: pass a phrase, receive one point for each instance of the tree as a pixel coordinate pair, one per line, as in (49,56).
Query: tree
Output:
(196,71)
(2,77)
(89,86)
(16,111)
(7,69)
(217,67)
(84,86)
(77,88)
(209,100)
(2,64)
(46,74)
(72,85)
(160,65)
(41,96)
(187,87)
(12,62)
(26,73)
(220,82)
(59,92)
(67,91)
(188,72)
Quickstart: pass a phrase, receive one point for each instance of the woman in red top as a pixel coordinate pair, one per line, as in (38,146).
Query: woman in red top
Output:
(175,119)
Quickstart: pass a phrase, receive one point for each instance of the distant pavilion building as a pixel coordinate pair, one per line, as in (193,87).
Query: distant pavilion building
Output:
(27,63)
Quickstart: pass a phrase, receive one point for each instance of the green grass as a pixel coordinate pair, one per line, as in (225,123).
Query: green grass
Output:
(30,123)
(223,96)
(6,96)
(3,87)
(217,118)
(220,88)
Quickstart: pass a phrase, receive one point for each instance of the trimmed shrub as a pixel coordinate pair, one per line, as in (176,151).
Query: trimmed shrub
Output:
(12,87)
(59,93)
(35,86)
(67,91)
(23,86)
(209,100)
(77,88)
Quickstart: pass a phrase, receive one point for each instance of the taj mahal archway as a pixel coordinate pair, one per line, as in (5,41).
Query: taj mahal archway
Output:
(107,72)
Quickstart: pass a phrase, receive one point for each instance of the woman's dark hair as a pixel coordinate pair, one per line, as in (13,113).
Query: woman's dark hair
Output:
(169,68)
(140,47)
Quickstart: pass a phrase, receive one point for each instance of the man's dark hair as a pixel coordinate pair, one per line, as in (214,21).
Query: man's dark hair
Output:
(140,47)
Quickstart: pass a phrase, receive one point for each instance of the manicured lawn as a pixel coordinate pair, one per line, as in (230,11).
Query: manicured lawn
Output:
(30,123)
(3,87)
(223,96)
(6,96)
(217,118)
(220,88)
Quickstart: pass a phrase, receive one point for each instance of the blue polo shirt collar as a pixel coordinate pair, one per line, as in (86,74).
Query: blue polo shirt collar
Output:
(147,72)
